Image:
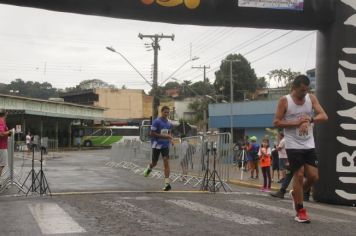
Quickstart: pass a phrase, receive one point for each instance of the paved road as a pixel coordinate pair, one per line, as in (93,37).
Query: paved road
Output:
(125,203)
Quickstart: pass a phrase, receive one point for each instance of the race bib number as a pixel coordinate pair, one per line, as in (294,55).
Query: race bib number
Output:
(304,134)
(164,131)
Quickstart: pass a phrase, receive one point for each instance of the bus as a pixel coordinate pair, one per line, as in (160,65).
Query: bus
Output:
(91,136)
(179,129)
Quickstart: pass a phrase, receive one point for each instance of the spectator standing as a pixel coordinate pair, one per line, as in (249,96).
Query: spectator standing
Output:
(29,142)
(184,157)
(252,156)
(283,159)
(4,134)
(275,162)
(265,162)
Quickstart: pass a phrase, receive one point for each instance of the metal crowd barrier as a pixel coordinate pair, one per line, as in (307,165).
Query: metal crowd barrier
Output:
(10,178)
(52,145)
(190,158)
(13,175)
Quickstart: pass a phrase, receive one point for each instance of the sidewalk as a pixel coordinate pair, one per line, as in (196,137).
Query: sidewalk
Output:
(243,179)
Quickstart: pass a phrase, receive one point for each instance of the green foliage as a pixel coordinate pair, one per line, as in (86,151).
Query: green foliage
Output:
(198,106)
(261,83)
(30,89)
(201,88)
(171,85)
(244,78)
(283,77)
(89,84)
(185,90)
(272,134)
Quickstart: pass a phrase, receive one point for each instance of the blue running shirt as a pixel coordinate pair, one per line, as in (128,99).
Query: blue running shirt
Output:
(161,126)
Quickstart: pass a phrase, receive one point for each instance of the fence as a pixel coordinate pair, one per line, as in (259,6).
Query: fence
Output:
(10,177)
(13,176)
(191,158)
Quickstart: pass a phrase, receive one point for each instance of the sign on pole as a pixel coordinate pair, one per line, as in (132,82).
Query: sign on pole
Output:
(18,128)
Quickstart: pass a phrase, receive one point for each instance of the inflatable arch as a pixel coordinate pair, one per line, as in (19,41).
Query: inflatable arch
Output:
(335,21)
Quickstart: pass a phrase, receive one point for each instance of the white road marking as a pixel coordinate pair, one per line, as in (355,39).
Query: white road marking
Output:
(218,213)
(245,193)
(141,216)
(307,204)
(143,198)
(284,211)
(52,219)
(331,209)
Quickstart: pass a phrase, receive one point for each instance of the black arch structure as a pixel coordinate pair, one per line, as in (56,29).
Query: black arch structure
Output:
(335,21)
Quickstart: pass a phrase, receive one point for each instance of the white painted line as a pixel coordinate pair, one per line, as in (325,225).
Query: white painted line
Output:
(244,193)
(129,191)
(331,209)
(218,213)
(289,212)
(52,219)
(141,216)
(143,198)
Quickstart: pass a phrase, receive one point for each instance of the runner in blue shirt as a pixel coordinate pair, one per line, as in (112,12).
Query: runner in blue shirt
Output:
(161,137)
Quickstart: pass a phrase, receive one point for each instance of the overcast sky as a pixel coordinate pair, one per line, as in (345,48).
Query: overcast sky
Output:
(64,49)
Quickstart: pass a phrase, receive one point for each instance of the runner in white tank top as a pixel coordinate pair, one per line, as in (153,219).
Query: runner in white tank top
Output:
(295,114)
(295,139)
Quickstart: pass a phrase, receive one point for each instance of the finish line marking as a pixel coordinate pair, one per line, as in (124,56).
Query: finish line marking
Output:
(118,191)
(52,219)
(284,211)
(218,213)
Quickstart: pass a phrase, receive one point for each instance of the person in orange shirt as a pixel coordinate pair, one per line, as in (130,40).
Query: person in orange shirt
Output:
(264,155)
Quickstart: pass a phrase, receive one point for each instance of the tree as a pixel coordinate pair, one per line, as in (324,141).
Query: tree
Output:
(283,77)
(30,89)
(199,106)
(184,89)
(244,78)
(261,83)
(202,88)
(171,85)
(94,83)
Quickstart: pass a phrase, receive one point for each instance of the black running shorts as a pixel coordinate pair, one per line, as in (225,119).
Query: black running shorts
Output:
(156,152)
(299,157)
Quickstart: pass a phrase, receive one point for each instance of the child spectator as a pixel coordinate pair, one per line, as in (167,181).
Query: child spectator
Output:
(264,155)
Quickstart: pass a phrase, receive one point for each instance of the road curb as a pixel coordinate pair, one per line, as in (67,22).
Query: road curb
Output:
(249,184)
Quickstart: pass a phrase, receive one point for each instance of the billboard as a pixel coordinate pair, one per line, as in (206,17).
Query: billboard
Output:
(297,5)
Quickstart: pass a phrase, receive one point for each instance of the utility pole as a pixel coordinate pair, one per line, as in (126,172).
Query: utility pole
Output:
(205,112)
(231,100)
(231,103)
(204,69)
(155,39)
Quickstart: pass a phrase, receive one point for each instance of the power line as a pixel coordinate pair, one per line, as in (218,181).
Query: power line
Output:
(283,47)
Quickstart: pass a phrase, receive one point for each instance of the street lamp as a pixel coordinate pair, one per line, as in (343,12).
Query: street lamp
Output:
(143,77)
(171,75)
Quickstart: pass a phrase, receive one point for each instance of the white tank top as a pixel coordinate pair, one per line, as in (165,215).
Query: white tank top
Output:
(294,139)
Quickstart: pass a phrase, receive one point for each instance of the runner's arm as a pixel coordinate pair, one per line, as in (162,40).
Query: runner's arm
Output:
(320,114)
